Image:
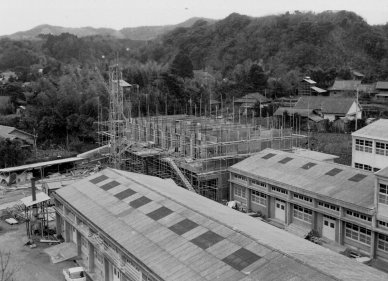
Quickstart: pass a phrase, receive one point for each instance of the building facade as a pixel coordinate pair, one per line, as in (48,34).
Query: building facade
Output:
(303,194)
(128,226)
(370,146)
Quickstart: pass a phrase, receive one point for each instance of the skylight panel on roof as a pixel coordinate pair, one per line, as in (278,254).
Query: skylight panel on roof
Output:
(357,177)
(207,239)
(241,258)
(98,179)
(159,213)
(269,155)
(137,203)
(285,160)
(109,185)
(308,165)
(333,172)
(183,226)
(125,193)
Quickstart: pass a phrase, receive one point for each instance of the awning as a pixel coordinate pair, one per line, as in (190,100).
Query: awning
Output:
(62,252)
(40,197)
(298,230)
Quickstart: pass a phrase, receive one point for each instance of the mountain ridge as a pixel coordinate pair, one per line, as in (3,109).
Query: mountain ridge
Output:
(133,33)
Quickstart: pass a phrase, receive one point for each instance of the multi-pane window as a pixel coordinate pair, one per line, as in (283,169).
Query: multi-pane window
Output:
(382,224)
(358,233)
(279,190)
(240,178)
(362,167)
(328,206)
(259,198)
(383,194)
(358,215)
(258,183)
(382,148)
(302,197)
(239,191)
(382,243)
(364,145)
(303,213)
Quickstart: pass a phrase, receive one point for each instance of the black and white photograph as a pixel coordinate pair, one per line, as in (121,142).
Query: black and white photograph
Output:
(193,140)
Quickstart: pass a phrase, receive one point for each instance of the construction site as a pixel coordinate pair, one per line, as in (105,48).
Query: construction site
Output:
(194,151)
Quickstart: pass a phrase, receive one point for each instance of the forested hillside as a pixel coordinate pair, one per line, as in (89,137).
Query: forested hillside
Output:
(60,78)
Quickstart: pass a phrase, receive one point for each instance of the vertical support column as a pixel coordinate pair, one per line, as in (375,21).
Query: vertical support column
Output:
(231,188)
(79,243)
(67,232)
(314,216)
(106,270)
(192,142)
(248,198)
(372,250)
(91,256)
(58,223)
(341,227)
(288,213)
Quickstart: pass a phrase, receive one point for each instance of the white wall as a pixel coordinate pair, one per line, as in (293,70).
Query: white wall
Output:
(372,159)
(352,111)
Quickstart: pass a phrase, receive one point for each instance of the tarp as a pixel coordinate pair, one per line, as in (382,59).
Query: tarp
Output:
(62,252)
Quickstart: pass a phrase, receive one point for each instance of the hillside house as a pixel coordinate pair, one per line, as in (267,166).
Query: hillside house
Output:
(247,102)
(382,91)
(307,87)
(331,108)
(12,133)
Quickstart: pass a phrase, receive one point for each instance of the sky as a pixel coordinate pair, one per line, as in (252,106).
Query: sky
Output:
(20,15)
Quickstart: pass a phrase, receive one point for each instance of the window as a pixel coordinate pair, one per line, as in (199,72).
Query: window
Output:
(364,145)
(240,178)
(279,190)
(259,183)
(84,242)
(302,213)
(259,198)
(98,256)
(239,191)
(357,233)
(328,206)
(382,243)
(358,215)
(362,167)
(382,224)
(383,194)
(382,148)
(302,198)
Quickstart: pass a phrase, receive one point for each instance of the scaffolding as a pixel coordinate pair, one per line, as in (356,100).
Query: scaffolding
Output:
(194,151)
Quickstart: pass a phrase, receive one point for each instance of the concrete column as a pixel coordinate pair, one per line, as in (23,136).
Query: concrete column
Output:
(79,243)
(106,270)
(231,190)
(58,223)
(163,140)
(182,144)
(340,232)
(248,198)
(192,144)
(372,250)
(67,232)
(269,204)
(91,256)
(288,213)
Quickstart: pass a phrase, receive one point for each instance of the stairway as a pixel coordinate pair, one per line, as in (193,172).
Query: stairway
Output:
(180,174)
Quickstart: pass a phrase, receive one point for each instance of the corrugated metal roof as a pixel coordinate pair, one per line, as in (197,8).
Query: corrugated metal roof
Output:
(252,98)
(331,105)
(376,130)
(40,164)
(318,90)
(321,180)
(243,248)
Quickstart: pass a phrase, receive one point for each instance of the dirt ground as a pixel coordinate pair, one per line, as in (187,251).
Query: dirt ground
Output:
(30,264)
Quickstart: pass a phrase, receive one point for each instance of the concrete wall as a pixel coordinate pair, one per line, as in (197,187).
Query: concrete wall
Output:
(372,159)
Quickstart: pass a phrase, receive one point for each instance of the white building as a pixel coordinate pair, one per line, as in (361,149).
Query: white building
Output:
(370,146)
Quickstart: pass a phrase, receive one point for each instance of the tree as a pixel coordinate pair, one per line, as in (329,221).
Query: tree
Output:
(12,153)
(257,78)
(182,66)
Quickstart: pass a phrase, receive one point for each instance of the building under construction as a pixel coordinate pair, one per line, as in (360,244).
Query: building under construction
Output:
(194,151)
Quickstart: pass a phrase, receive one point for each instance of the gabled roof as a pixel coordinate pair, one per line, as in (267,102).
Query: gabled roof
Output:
(345,85)
(252,98)
(316,180)
(330,105)
(375,130)
(381,85)
(201,239)
(6,132)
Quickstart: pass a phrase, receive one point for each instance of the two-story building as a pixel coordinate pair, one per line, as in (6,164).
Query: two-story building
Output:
(303,194)
(370,146)
(128,226)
